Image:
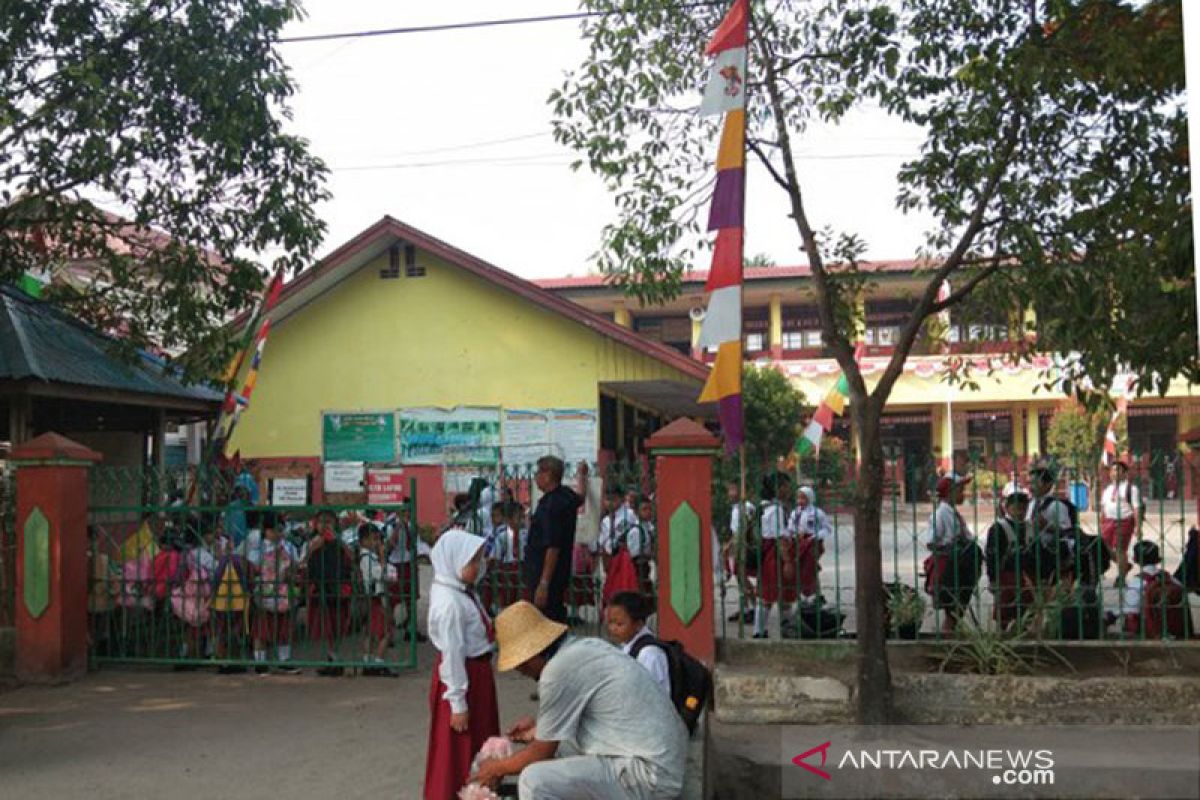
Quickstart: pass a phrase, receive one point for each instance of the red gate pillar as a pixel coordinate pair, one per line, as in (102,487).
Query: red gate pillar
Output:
(51,600)
(683,454)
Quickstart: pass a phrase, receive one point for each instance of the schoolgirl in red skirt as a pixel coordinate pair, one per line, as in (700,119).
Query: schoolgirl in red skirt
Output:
(776,561)
(463,712)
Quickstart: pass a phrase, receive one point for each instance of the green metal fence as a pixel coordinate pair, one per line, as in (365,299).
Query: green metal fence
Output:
(187,570)
(1045,574)
(503,517)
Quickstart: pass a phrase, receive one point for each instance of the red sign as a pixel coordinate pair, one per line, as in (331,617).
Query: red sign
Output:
(386,486)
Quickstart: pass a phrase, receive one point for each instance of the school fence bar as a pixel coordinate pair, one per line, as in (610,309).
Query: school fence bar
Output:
(1049,575)
(186,570)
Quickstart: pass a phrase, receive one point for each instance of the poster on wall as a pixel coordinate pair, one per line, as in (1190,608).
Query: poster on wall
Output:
(574,432)
(359,436)
(344,476)
(289,491)
(526,437)
(461,435)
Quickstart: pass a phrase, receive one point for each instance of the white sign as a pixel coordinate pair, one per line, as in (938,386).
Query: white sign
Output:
(344,476)
(574,430)
(289,491)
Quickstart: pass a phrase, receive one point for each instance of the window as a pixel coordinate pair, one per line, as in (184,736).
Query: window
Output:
(793,340)
(952,334)
(411,268)
(882,337)
(812,339)
(754,341)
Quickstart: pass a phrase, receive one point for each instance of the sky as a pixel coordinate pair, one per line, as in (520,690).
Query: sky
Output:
(450,132)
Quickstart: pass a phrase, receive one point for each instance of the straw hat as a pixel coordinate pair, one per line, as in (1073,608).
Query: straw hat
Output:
(522,632)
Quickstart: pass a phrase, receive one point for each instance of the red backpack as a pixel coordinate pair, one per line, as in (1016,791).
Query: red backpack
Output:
(1164,603)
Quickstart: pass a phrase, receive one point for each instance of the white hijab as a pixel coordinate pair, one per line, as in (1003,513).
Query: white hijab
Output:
(808,492)
(452,552)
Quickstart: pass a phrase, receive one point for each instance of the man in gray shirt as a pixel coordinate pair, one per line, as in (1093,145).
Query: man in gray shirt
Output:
(604,728)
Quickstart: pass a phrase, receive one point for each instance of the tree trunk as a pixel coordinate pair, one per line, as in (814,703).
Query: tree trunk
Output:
(874,691)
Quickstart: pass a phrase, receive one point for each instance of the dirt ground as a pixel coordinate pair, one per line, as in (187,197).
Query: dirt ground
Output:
(124,733)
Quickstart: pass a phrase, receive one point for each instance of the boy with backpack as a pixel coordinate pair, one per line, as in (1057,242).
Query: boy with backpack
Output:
(273,597)
(329,566)
(684,679)
(1153,603)
(376,575)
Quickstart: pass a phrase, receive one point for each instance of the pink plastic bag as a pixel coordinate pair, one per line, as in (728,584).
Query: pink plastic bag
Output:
(493,748)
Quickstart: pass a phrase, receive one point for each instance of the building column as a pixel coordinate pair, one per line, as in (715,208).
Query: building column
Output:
(697,350)
(1018,431)
(1033,437)
(52,558)
(683,453)
(943,436)
(775,330)
(621,316)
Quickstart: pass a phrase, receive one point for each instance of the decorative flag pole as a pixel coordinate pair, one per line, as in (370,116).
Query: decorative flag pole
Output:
(255,340)
(722,326)
(1109,457)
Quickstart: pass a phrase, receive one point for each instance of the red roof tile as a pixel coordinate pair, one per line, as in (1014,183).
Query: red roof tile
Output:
(751,274)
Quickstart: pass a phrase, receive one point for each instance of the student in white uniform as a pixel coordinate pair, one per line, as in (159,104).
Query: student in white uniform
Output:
(1120,515)
(741,527)
(626,621)
(618,518)
(463,697)
(811,528)
(776,577)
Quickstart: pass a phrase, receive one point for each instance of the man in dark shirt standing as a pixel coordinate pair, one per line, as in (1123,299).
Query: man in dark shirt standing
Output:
(547,566)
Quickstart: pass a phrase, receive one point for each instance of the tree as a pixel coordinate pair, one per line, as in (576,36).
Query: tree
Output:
(760,260)
(1054,165)
(773,409)
(170,114)
(1076,439)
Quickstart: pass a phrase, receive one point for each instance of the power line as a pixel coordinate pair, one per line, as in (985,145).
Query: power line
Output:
(529,159)
(486,23)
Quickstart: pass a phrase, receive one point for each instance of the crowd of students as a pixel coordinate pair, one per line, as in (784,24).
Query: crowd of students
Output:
(194,587)
(1040,562)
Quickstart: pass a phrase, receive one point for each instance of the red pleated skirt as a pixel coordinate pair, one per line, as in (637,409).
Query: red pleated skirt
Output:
(449,754)
(776,581)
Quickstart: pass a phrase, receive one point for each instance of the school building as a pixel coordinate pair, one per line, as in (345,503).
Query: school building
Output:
(1004,419)
(400,355)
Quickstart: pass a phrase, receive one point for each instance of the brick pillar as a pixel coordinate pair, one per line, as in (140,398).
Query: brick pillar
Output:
(683,453)
(52,576)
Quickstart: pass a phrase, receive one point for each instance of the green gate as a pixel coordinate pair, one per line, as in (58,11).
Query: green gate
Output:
(189,569)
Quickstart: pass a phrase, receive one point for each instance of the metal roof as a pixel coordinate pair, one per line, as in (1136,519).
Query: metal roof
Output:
(42,343)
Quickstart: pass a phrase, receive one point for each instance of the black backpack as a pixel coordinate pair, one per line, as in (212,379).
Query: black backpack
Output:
(691,682)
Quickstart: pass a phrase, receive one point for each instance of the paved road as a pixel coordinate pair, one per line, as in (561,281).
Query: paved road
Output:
(140,733)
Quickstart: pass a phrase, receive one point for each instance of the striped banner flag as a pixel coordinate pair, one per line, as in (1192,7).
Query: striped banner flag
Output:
(722,326)
(833,405)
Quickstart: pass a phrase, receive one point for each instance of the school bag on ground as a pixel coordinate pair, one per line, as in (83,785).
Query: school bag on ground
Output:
(818,622)
(691,682)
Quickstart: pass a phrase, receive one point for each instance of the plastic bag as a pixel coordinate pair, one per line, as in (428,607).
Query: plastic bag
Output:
(495,747)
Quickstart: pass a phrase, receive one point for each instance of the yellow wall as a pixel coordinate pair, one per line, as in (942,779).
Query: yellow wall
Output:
(445,339)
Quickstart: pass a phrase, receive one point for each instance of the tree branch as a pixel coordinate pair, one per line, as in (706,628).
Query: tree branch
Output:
(824,291)
(766,162)
(952,262)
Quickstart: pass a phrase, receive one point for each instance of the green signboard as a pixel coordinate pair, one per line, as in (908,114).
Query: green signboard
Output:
(360,436)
